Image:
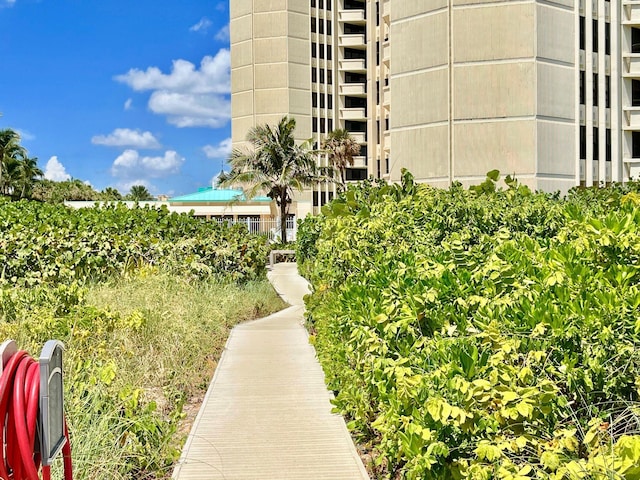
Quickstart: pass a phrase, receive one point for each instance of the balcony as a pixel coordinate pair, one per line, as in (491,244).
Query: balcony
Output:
(631,62)
(386,52)
(386,96)
(360,161)
(354,65)
(352,16)
(631,13)
(632,117)
(386,8)
(359,137)
(354,89)
(353,113)
(386,140)
(353,40)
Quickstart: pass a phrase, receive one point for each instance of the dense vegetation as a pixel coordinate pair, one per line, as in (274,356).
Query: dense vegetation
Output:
(481,334)
(143,300)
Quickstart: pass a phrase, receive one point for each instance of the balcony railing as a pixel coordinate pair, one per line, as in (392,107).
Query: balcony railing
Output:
(353,65)
(354,89)
(353,113)
(352,40)
(352,16)
(632,118)
(360,161)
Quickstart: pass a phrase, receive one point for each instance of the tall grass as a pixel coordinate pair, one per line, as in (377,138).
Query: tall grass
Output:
(140,352)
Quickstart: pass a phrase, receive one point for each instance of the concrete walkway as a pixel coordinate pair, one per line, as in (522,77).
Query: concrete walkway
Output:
(267,414)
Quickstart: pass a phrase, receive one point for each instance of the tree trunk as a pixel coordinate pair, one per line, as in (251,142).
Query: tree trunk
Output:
(283,220)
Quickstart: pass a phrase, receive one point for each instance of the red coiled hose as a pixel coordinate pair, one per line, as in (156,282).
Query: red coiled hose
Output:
(19,445)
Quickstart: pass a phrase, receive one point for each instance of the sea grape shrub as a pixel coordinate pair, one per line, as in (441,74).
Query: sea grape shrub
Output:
(483,334)
(52,244)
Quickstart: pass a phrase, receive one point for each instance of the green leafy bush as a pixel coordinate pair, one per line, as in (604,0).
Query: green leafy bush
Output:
(482,334)
(44,243)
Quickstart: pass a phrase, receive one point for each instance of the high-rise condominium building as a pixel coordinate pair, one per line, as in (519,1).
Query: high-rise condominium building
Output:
(548,90)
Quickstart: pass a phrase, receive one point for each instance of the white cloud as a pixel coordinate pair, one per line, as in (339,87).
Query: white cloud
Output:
(221,6)
(24,135)
(202,26)
(189,96)
(124,137)
(223,34)
(125,186)
(213,77)
(7,3)
(130,165)
(222,150)
(54,170)
(191,110)
(127,104)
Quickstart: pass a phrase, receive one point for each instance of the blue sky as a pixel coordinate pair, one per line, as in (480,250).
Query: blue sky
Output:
(119,92)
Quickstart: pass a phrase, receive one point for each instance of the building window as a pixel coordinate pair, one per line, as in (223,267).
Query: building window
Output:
(330,121)
(313,3)
(635,40)
(350,77)
(608,145)
(607,92)
(354,53)
(330,77)
(314,100)
(607,38)
(351,29)
(356,174)
(354,126)
(386,161)
(596,144)
(595,89)
(582,33)
(313,25)
(315,199)
(330,102)
(635,141)
(594,31)
(314,75)
(583,87)
(635,93)
(323,198)
(314,50)
(583,142)
(355,102)
(314,125)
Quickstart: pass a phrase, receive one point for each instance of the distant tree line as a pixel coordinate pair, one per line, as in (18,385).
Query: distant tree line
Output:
(20,177)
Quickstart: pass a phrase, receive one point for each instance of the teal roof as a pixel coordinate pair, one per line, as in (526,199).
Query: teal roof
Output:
(210,194)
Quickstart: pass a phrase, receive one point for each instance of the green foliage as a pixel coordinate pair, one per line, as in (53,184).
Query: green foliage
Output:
(481,334)
(18,172)
(51,191)
(51,244)
(137,352)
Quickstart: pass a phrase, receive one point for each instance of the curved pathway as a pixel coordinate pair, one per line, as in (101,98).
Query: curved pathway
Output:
(267,414)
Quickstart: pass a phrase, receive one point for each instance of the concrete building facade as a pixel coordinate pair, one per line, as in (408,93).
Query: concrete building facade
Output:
(548,90)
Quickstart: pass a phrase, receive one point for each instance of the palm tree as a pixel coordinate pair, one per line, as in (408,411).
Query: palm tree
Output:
(139,193)
(341,148)
(28,173)
(111,194)
(276,166)
(10,152)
